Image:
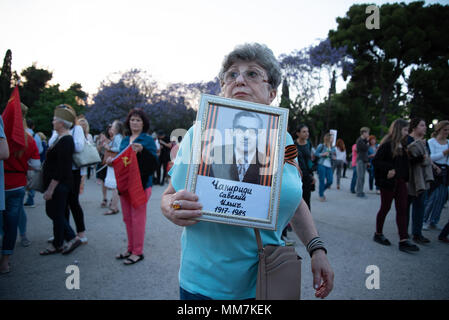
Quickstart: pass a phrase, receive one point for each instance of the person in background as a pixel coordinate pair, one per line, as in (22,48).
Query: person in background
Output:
(164,157)
(212,266)
(326,153)
(362,160)
(82,121)
(371,153)
(137,125)
(4,154)
(73,203)
(417,193)
(439,153)
(340,154)
(44,146)
(117,131)
(354,167)
(391,168)
(101,168)
(58,180)
(29,202)
(16,168)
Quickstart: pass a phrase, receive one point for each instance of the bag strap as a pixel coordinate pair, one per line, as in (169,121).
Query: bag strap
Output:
(259,241)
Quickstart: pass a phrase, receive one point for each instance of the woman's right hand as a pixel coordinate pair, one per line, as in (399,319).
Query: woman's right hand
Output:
(391,174)
(190,207)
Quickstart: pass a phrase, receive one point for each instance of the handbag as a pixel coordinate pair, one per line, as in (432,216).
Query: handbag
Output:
(87,157)
(36,181)
(279,272)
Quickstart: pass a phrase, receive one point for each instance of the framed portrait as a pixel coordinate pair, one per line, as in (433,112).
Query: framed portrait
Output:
(236,161)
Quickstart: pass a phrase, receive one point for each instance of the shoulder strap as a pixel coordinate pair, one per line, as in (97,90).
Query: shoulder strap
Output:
(259,240)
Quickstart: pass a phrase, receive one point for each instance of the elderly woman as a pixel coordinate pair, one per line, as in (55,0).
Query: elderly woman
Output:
(212,266)
(58,182)
(137,124)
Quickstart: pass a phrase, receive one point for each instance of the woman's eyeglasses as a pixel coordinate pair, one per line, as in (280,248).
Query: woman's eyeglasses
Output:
(250,75)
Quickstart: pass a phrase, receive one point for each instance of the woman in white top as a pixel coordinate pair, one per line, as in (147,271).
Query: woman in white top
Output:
(340,159)
(110,182)
(439,153)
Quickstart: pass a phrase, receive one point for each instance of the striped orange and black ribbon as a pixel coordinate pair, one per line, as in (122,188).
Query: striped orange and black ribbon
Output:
(291,153)
(206,147)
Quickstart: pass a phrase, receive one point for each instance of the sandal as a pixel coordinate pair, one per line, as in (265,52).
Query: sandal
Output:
(50,250)
(123,255)
(111,212)
(129,261)
(104,203)
(72,245)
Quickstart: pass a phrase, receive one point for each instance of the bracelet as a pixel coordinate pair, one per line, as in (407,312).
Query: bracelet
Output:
(315,244)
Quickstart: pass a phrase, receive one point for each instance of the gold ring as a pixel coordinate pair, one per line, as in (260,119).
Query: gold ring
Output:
(176,205)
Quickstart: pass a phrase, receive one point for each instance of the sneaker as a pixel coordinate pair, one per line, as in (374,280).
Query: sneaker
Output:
(361,195)
(420,239)
(83,240)
(25,242)
(380,238)
(50,240)
(407,246)
(425,226)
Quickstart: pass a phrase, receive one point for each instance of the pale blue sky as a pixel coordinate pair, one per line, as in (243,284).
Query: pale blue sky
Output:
(174,40)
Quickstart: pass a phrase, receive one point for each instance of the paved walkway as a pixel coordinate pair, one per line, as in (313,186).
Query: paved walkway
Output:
(346,224)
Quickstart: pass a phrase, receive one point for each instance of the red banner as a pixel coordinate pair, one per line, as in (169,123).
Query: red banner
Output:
(13,123)
(127,175)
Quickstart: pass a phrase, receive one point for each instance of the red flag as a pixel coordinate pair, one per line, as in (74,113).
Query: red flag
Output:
(127,175)
(13,123)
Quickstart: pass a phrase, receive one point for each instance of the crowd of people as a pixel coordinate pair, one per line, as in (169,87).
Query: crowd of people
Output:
(404,167)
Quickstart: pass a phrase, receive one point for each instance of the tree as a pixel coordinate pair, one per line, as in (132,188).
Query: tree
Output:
(43,110)
(5,79)
(35,81)
(409,35)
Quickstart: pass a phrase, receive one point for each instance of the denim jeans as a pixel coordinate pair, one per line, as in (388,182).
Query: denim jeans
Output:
(354,179)
(418,205)
(22,224)
(435,203)
(361,167)
(325,176)
(186,295)
(13,205)
(30,198)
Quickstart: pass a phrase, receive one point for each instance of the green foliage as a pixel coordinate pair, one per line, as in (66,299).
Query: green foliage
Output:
(43,110)
(36,80)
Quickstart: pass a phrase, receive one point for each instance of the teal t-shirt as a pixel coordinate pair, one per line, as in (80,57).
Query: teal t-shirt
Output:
(220,261)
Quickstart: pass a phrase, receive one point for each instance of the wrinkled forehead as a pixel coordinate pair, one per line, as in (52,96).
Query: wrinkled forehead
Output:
(241,64)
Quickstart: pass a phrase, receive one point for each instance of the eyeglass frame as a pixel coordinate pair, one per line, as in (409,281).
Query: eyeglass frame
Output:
(244,76)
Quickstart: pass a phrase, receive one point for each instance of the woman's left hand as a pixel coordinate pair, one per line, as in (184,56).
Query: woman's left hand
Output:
(323,276)
(137,147)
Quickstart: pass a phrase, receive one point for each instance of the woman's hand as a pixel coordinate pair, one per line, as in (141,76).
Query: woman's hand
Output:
(391,174)
(137,147)
(323,276)
(109,161)
(48,194)
(190,207)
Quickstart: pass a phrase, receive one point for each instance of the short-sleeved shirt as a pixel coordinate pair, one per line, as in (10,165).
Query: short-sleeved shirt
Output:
(16,168)
(2,174)
(220,261)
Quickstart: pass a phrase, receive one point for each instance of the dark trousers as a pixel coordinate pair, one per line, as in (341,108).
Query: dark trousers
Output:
(161,165)
(73,203)
(55,209)
(400,196)
(306,192)
(417,204)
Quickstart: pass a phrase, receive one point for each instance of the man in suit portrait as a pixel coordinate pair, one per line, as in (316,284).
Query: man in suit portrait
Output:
(241,161)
